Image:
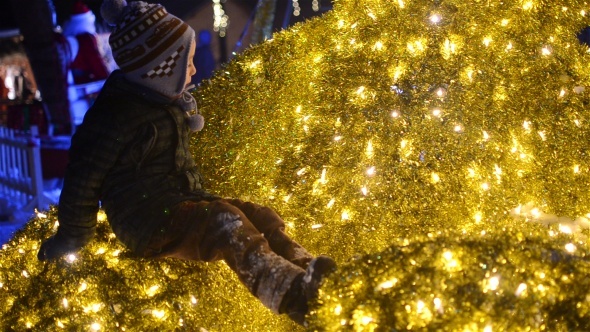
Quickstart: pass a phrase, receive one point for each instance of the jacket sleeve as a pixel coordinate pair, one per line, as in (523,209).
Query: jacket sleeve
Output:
(95,148)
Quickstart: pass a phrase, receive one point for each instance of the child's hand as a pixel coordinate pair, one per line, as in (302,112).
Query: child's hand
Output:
(55,247)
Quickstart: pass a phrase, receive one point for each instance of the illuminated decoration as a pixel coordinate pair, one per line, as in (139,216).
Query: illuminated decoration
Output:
(296,8)
(437,150)
(220,18)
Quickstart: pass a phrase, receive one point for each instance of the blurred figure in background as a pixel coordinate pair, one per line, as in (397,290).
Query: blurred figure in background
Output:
(203,60)
(87,63)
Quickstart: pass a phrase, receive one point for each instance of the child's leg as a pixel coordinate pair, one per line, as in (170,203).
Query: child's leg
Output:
(219,230)
(269,223)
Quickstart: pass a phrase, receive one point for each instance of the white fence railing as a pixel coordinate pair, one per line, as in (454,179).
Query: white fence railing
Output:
(21,179)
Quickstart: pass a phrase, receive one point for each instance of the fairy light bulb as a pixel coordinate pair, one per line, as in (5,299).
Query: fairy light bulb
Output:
(435,18)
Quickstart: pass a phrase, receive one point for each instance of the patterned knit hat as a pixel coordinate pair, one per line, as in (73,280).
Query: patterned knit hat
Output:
(150,45)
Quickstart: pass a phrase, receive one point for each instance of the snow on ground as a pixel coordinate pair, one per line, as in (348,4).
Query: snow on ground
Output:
(12,220)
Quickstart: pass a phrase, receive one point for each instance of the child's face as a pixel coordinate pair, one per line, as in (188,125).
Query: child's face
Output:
(190,68)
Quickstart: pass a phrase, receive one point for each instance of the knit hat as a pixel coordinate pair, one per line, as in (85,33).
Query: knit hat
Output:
(151,47)
(82,20)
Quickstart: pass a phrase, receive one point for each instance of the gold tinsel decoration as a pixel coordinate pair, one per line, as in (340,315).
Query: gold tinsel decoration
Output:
(438,150)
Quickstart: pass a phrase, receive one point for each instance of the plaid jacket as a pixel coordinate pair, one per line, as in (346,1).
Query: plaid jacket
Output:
(131,153)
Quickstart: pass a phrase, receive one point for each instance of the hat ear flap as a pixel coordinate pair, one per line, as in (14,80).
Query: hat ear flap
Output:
(112,10)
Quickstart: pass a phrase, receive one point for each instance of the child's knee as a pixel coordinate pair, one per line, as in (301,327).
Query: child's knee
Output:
(221,206)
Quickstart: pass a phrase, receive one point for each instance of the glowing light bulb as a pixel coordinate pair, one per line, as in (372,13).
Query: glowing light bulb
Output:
(497,170)
(521,288)
(371,171)
(546,50)
(487,41)
(435,178)
(448,255)
(565,229)
(153,290)
(323,177)
(570,247)
(477,217)
(394,114)
(254,64)
(436,112)
(345,215)
(493,283)
(101,215)
(366,320)
(526,125)
(331,203)
(435,18)
(387,284)
(159,314)
(420,306)
(438,305)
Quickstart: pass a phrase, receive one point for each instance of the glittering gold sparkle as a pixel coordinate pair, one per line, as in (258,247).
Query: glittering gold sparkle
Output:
(438,150)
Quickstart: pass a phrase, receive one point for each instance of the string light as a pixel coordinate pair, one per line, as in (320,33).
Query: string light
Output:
(220,19)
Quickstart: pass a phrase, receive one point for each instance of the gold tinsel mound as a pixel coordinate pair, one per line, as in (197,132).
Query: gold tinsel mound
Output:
(438,150)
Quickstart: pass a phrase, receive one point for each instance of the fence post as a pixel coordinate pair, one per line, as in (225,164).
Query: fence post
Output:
(21,178)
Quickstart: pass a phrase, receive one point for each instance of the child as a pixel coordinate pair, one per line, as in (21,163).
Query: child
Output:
(131,153)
